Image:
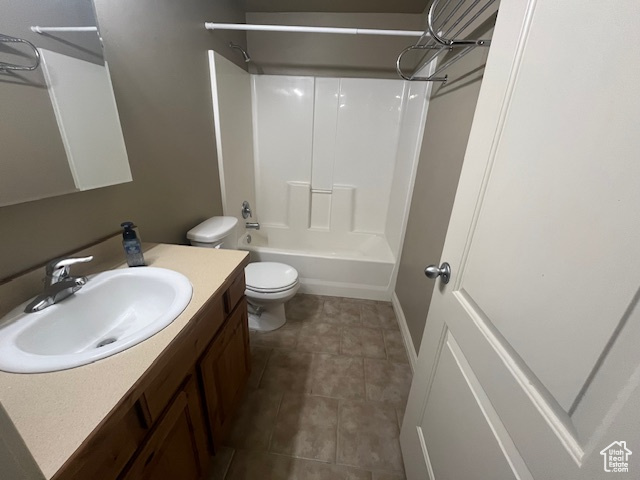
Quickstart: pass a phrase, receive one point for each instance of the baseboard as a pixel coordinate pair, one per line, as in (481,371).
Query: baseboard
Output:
(404,329)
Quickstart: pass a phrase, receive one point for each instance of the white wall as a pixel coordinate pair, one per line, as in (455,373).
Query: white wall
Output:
(366,142)
(232,111)
(283,128)
(325,151)
(414,113)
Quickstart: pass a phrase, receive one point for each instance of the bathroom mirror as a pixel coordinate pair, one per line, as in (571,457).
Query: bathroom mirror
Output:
(60,131)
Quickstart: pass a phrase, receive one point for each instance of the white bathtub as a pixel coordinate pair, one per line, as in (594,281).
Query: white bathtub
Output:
(356,265)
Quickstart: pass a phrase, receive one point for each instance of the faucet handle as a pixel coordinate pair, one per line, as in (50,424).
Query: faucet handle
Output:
(58,269)
(66,262)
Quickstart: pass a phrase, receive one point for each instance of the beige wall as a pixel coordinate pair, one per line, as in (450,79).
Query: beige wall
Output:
(157,51)
(407,6)
(443,147)
(286,53)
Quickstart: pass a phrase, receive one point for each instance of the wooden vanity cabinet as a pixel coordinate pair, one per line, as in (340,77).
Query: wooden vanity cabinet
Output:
(224,371)
(175,417)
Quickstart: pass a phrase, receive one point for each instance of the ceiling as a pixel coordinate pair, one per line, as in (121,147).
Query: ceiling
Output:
(340,6)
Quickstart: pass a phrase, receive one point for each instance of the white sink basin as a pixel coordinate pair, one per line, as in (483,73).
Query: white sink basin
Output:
(114,311)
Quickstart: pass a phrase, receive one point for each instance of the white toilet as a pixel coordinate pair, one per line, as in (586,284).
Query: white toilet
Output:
(268,284)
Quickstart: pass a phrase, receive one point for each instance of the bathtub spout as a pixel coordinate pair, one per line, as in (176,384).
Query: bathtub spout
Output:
(252,225)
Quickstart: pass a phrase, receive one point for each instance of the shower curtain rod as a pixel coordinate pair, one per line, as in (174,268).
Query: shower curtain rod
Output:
(38,29)
(305,29)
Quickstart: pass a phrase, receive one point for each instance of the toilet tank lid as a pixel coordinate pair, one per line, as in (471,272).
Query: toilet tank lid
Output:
(213,229)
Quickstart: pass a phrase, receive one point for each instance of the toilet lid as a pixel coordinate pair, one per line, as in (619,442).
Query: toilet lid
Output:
(270,277)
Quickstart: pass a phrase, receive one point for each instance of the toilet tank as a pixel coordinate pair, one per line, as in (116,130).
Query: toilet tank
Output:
(216,232)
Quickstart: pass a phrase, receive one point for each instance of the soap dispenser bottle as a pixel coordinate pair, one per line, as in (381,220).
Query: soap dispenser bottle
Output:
(132,246)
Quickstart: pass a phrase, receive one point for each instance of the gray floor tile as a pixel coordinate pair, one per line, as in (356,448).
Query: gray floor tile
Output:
(387,382)
(388,476)
(338,376)
(220,463)
(368,436)
(340,313)
(308,470)
(306,427)
(379,316)
(361,341)
(247,465)
(394,345)
(265,466)
(326,396)
(359,301)
(283,337)
(304,307)
(255,420)
(259,357)
(288,371)
(319,337)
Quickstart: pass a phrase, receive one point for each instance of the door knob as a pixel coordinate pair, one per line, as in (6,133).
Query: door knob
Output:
(432,271)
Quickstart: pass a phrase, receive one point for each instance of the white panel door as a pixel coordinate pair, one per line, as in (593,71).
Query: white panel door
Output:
(529,366)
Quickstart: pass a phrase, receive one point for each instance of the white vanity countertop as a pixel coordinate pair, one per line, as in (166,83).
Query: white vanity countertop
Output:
(55,412)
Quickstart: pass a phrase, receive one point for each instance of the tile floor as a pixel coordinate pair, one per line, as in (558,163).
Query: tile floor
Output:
(325,399)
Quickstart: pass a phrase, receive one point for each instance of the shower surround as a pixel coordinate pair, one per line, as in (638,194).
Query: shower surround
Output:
(332,167)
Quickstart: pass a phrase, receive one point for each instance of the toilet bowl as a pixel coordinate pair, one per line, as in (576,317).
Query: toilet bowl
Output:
(268,284)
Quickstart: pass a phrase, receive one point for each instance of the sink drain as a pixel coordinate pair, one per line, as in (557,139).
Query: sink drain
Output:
(106,341)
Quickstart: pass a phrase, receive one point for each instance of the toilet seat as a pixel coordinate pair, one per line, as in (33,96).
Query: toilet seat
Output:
(270,277)
(278,290)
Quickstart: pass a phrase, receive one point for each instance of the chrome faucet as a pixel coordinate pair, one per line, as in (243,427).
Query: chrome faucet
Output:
(58,270)
(252,225)
(58,283)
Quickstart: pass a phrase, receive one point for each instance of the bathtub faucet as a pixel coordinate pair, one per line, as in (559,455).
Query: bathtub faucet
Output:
(252,225)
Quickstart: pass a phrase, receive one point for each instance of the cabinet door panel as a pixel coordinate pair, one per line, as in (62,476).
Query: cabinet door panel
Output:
(177,447)
(224,370)
(235,292)
(109,450)
(169,378)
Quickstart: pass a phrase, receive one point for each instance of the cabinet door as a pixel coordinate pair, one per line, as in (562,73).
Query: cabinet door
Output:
(177,447)
(224,370)
(109,449)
